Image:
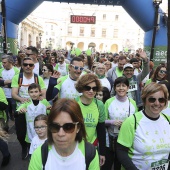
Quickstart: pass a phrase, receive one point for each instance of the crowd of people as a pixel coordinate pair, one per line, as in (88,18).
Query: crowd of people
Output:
(100,111)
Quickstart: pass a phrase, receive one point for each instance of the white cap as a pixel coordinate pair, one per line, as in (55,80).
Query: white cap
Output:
(128,65)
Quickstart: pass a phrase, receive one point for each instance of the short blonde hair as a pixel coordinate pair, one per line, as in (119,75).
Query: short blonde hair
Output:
(153,88)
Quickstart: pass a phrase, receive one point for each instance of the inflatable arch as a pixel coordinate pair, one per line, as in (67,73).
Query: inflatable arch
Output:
(142,11)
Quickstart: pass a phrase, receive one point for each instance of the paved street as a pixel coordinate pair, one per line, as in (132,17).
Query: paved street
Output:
(16,163)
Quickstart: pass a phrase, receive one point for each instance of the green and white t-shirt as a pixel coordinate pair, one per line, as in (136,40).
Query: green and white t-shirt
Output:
(8,75)
(23,90)
(149,143)
(92,114)
(32,112)
(75,161)
(105,83)
(62,68)
(67,88)
(116,110)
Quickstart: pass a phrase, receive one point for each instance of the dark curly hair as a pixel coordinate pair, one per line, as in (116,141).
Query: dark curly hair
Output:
(85,80)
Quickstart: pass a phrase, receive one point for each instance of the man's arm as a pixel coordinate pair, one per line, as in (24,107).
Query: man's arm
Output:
(43,93)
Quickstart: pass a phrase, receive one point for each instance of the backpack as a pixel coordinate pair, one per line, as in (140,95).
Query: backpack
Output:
(20,79)
(90,152)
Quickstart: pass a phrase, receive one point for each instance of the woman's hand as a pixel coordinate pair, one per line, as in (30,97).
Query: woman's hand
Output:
(102,160)
(23,110)
(117,122)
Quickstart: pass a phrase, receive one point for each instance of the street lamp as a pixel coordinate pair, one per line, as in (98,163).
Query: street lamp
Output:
(40,36)
(156,3)
(71,43)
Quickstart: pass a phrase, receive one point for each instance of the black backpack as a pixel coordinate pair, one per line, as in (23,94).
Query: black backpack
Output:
(20,79)
(90,152)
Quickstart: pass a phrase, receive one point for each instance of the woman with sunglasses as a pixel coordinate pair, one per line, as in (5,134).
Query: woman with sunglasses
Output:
(52,61)
(143,141)
(66,140)
(117,109)
(93,111)
(158,75)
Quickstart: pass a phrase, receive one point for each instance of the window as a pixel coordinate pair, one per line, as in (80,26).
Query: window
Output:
(103,32)
(104,16)
(92,32)
(115,33)
(51,27)
(53,33)
(81,31)
(116,17)
(69,30)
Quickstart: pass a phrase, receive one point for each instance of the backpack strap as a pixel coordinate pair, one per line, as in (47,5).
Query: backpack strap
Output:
(135,121)
(36,78)
(44,153)
(20,79)
(90,153)
(166,118)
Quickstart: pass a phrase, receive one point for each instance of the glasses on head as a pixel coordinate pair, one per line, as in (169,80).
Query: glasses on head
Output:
(37,128)
(29,54)
(27,64)
(153,100)
(77,67)
(44,70)
(163,71)
(67,127)
(88,88)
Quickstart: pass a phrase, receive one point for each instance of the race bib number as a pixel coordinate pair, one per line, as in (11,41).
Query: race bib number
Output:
(132,87)
(160,165)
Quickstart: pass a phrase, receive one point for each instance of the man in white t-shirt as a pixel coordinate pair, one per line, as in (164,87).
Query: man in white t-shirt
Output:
(33,53)
(20,94)
(65,87)
(7,73)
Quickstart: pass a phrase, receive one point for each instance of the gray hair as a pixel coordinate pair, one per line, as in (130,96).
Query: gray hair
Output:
(9,58)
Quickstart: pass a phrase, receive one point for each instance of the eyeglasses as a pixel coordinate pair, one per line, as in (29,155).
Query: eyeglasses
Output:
(163,72)
(88,88)
(153,100)
(47,53)
(77,67)
(27,64)
(99,68)
(67,127)
(29,54)
(37,128)
(44,70)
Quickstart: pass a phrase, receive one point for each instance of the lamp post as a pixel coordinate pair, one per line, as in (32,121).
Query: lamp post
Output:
(71,45)
(40,36)
(156,3)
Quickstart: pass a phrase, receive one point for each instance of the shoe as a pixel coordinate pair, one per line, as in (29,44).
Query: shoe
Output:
(6,160)
(24,153)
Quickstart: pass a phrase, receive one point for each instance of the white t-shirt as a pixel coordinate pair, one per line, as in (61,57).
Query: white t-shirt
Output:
(105,83)
(46,81)
(8,75)
(36,68)
(36,141)
(75,161)
(68,89)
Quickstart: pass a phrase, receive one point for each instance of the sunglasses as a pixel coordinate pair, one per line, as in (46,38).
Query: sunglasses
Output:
(77,68)
(44,70)
(67,127)
(163,72)
(88,88)
(26,64)
(37,128)
(29,54)
(153,100)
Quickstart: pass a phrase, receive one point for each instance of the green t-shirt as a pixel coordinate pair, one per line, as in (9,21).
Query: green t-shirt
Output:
(119,73)
(92,114)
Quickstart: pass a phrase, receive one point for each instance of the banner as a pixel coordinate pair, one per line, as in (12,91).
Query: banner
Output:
(159,56)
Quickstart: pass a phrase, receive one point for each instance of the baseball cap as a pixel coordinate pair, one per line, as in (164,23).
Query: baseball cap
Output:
(127,66)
